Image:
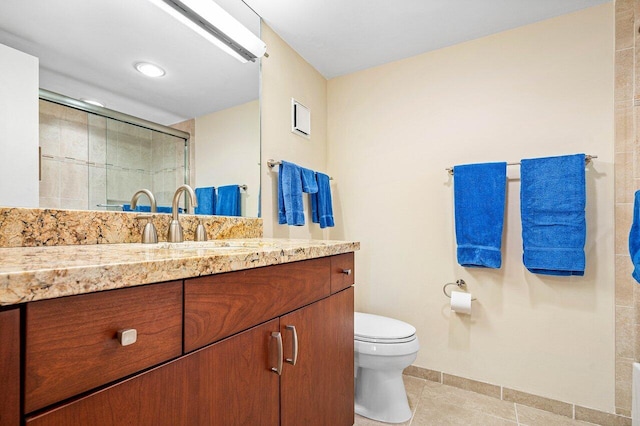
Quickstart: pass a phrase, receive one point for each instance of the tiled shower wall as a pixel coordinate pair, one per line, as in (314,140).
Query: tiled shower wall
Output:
(627,180)
(89,160)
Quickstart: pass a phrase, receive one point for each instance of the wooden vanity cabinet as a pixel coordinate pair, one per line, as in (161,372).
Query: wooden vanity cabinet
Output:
(10,367)
(237,326)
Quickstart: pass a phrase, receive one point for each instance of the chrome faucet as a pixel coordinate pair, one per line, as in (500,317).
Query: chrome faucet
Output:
(149,233)
(175,234)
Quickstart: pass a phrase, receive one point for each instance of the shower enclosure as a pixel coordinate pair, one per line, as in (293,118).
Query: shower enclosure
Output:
(94,158)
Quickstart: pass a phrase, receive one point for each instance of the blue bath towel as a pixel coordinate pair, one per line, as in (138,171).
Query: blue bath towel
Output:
(552,206)
(290,209)
(309,183)
(321,204)
(634,238)
(206,200)
(479,199)
(146,209)
(228,202)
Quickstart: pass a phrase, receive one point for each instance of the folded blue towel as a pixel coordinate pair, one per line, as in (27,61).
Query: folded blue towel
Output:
(321,205)
(228,203)
(479,199)
(552,203)
(290,209)
(634,238)
(309,184)
(206,200)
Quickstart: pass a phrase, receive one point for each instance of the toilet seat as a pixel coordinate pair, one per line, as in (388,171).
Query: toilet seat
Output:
(378,329)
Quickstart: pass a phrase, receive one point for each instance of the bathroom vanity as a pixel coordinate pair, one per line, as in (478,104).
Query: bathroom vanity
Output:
(263,336)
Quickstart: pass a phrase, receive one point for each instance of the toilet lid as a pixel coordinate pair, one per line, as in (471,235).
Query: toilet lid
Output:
(379,329)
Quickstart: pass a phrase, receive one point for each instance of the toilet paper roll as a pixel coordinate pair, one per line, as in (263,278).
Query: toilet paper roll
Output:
(461,302)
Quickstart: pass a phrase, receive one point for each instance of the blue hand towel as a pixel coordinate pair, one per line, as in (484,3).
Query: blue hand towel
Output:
(206,200)
(146,209)
(309,183)
(321,205)
(552,203)
(634,238)
(479,199)
(290,209)
(228,203)
(139,208)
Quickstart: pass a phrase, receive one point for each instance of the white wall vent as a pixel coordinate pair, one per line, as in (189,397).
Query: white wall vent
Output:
(300,119)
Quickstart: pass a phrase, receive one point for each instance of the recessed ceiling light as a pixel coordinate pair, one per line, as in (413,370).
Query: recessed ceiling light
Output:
(150,70)
(92,102)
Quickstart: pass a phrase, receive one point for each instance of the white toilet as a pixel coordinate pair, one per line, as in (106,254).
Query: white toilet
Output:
(384,347)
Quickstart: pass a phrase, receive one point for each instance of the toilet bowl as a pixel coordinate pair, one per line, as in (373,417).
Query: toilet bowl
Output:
(384,347)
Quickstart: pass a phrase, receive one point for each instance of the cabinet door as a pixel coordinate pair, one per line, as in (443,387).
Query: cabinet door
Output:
(158,397)
(231,382)
(10,367)
(318,389)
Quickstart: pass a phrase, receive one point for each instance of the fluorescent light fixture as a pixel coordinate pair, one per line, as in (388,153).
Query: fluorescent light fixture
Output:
(92,102)
(214,24)
(150,70)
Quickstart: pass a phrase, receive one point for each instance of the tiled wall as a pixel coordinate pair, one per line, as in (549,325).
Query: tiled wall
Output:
(627,179)
(89,160)
(65,149)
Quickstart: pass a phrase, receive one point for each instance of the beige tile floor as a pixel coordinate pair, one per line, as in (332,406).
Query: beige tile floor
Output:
(437,404)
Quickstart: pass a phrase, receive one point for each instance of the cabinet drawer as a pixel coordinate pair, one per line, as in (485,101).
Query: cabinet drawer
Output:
(72,343)
(342,272)
(220,305)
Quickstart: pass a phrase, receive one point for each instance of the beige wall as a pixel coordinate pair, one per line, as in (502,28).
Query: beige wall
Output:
(539,90)
(286,75)
(233,133)
(18,128)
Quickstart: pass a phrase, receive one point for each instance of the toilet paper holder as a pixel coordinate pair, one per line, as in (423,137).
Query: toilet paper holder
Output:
(461,285)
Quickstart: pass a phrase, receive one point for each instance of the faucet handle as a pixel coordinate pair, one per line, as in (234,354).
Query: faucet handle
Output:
(149,233)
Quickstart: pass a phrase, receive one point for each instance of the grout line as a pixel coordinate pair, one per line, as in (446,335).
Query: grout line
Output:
(573,408)
(515,408)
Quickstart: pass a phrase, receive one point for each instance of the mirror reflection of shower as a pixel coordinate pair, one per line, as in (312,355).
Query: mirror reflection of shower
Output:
(90,161)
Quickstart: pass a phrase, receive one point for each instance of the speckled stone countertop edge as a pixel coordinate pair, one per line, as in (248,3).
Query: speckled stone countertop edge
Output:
(39,273)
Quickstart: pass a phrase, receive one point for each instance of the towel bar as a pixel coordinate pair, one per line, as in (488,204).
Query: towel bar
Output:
(587,160)
(272,163)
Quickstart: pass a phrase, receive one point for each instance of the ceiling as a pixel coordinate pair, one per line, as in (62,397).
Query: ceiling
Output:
(87,48)
(339,37)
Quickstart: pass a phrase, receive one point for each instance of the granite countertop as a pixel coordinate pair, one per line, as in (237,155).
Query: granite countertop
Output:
(37,273)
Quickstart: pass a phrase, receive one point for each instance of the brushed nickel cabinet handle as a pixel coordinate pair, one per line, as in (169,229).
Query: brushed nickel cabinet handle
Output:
(346,271)
(294,345)
(127,336)
(278,368)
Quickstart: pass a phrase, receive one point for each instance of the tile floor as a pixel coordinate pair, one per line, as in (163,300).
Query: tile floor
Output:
(437,404)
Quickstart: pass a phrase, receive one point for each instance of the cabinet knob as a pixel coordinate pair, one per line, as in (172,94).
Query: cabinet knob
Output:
(127,336)
(346,271)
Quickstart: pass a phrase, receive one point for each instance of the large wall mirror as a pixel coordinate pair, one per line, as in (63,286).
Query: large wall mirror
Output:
(88,50)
